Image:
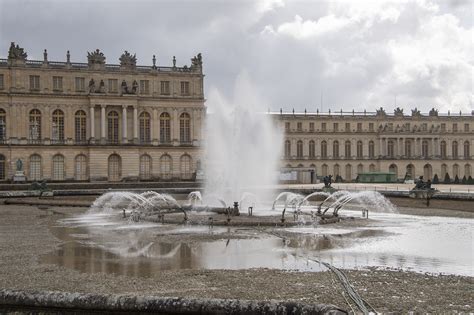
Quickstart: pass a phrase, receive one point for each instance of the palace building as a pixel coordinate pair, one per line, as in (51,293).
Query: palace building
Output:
(352,143)
(69,121)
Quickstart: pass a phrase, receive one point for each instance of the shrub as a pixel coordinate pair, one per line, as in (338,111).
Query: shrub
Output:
(435,179)
(447,179)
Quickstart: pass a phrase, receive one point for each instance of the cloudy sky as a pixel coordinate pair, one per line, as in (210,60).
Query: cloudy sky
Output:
(355,54)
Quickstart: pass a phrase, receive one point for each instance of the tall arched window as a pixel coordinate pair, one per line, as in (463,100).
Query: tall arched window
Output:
(57,126)
(390,149)
(372,168)
(311,149)
(324,170)
(287,149)
(185,128)
(424,149)
(410,171)
(335,150)
(113,127)
(80,126)
(165,129)
(58,167)
(443,149)
(347,149)
(408,148)
(456,170)
(336,169)
(359,150)
(455,149)
(144,127)
(145,167)
(444,170)
(371,149)
(165,166)
(80,167)
(467,150)
(35,125)
(467,170)
(393,169)
(299,149)
(348,172)
(185,167)
(324,149)
(427,172)
(360,169)
(35,167)
(3,125)
(3,169)
(115,168)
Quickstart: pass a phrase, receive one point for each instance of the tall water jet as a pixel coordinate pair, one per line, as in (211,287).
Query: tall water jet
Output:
(243,144)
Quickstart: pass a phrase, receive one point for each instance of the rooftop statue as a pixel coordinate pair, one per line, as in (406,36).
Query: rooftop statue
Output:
(415,112)
(433,112)
(16,52)
(381,112)
(128,60)
(398,111)
(95,57)
(196,62)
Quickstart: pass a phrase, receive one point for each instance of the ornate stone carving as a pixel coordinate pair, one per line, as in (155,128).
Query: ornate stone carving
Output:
(128,61)
(433,112)
(92,86)
(196,62)
(134,87)
(16,52)
(380,112)
(398,111)
(95,58)
(415,112)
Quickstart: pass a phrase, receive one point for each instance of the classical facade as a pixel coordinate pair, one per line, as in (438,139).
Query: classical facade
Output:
(69,121)
(349,143)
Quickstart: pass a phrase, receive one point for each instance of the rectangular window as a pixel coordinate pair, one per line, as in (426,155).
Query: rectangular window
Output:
(311,127)
(348,127)
(57,83)
(165,87)
(113,85)
(336,127)
(299,126)
(144,87)
(466,127)
(80,84)
(455,127)
(323,127)
(443,127)
(184,88)
(371,126)
(34,82)
(287,126)
(359,127)
(2,84)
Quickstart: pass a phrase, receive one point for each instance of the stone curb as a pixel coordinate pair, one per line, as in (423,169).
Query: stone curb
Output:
(64,301)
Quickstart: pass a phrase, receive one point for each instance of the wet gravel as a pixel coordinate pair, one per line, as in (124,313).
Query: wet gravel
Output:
(24,236)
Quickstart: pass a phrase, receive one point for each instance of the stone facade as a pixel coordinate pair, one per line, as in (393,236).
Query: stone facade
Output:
(348,143)
(95,121)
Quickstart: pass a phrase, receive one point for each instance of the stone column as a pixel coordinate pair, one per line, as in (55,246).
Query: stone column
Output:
(124,124)
(92,124)
(317,144)
(400,147)
(380,146)
(102,123)
(135,124)
(354,148)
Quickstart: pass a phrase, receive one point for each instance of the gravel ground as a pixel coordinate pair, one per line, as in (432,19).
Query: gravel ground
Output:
(24,236)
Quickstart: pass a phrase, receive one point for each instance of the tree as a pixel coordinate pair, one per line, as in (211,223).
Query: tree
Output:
(456,179)
(470,181)
(435,179)
(447,179)
(464,180)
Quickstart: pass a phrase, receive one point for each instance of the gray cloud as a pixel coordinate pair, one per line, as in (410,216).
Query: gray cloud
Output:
(358,55)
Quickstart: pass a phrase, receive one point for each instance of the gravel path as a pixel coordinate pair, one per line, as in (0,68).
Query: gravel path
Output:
(24,236)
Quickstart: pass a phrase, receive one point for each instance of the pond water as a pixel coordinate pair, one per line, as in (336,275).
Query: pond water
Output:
(103,243)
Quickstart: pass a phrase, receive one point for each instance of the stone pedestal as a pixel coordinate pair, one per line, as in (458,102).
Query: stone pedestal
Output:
(19,177)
